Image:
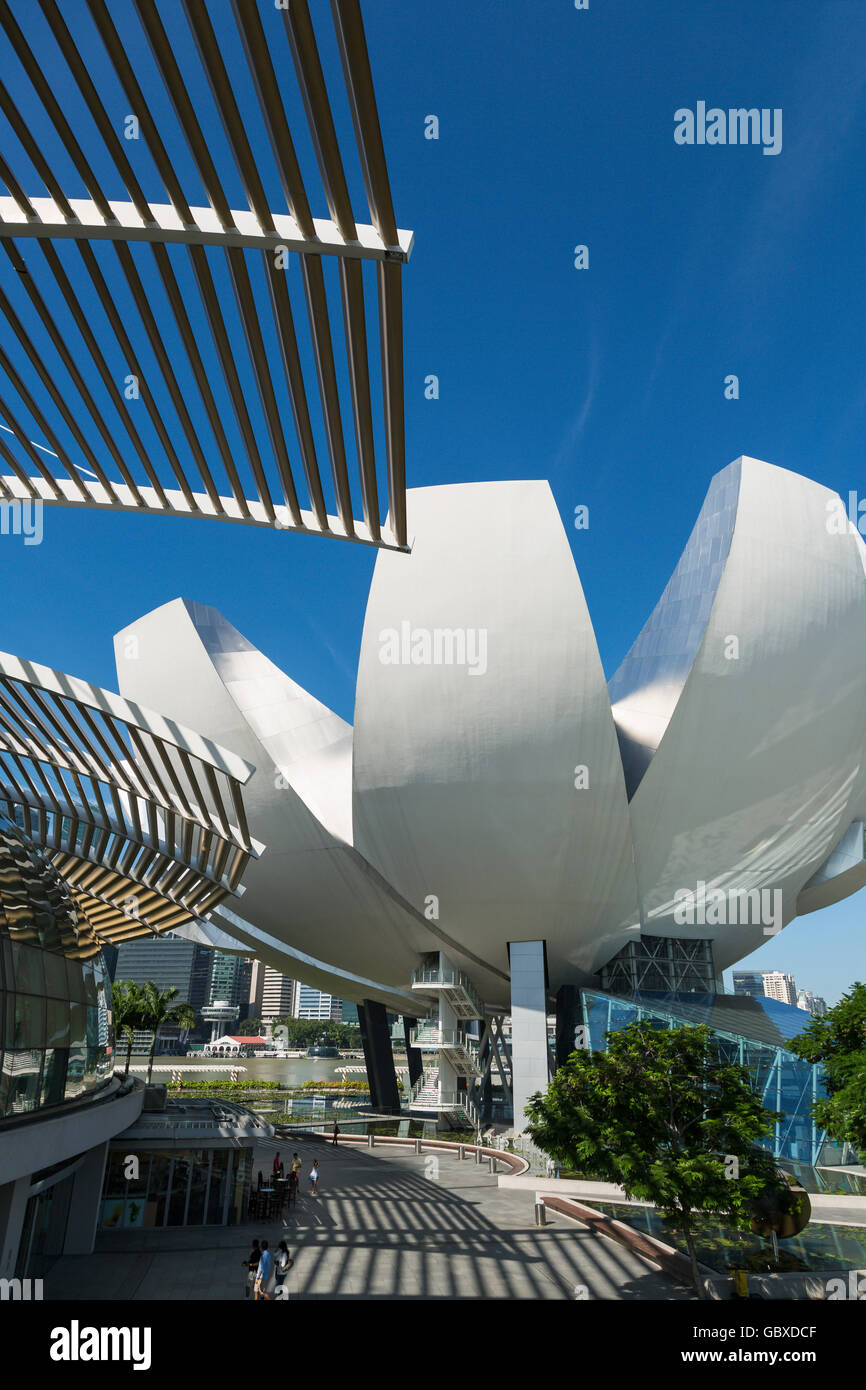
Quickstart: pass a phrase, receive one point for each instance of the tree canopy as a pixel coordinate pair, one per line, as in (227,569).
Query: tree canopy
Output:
(838,1042)
(664,1116)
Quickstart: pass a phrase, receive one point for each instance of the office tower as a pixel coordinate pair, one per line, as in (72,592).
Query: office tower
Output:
(747,982)
(169,961)
(278,996)
(812,1003)
(226,978)
(779,985)
(313,1004)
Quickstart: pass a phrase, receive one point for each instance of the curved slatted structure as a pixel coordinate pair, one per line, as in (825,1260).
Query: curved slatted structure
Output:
(143,820)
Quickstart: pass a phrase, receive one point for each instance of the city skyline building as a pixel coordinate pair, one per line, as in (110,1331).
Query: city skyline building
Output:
(812,1003)
(313,1004)
(229,979)
(279,995)
(778,984)
(749,982)
(169,961)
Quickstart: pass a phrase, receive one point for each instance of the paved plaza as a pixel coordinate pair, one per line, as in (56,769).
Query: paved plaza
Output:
(386,1224)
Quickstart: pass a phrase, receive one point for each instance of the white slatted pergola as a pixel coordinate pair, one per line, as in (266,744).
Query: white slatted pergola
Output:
(155,351)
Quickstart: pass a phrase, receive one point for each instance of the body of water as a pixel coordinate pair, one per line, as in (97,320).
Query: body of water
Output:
(290,1071)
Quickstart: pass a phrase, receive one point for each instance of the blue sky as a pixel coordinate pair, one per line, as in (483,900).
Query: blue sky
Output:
(556,129)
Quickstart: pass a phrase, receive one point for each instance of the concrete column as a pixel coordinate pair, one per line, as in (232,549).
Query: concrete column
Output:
(486,1089)
(84,1203)
(567,1018)
(413,1057)
(378,1057)
(529,1055)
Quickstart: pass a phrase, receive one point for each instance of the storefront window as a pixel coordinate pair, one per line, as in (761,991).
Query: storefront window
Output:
(198,1187)
(188,1187)
(179,1190)
(218,1181)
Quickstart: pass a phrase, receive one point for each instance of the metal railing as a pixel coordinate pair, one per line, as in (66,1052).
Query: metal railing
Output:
(449,979)
(440,1100)
(434,1039)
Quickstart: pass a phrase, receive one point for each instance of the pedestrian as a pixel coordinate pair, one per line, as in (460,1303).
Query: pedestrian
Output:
(277,1164)
(283,1265)
(297,1165)
(314,1176)
(251,1264)
(264,1275)
(336,1131)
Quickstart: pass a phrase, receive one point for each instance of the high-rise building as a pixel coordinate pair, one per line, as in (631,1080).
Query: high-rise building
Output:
(812,1003)
(349,1012)
(779,985)
(746,982)
(226,978)
(256,986)
(169,961)
(313,1004)
(278,996)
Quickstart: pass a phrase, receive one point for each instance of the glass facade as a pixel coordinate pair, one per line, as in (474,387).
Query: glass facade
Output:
(749,1031)
(56,1036)
(175,1187)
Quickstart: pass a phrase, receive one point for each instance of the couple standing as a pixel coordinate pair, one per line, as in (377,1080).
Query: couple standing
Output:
(266,1273)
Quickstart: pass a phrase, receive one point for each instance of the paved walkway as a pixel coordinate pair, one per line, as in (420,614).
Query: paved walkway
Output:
(386,1224)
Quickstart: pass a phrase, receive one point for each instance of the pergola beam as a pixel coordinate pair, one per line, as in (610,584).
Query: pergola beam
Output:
(205,229)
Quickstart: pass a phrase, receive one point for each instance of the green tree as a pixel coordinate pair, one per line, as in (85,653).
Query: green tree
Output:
(127,1006)
(250,1028)
(157,1009)
(838,1042)
(664,1116)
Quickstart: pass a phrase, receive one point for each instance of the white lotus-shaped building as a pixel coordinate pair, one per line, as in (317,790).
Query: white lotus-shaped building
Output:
(502,820)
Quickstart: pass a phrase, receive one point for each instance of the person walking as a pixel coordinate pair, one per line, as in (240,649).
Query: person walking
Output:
(277,1164)
(251,1264)
(314,1176)
(336,1132)
(264,1275)
(283,1265)
(297,1164)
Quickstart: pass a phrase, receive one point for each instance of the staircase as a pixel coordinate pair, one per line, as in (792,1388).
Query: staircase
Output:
(457,987)
(461,1052)
(454,1106)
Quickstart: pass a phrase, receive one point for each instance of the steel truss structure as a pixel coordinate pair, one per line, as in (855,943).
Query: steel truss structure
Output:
(143,820)
(135,410)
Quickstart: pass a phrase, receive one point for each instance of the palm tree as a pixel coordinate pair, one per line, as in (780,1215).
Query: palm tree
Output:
(157,1010)
(127,1002)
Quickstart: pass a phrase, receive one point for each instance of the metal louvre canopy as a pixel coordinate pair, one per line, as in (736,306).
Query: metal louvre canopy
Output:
(143,820)
(160,340)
